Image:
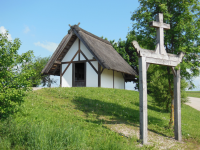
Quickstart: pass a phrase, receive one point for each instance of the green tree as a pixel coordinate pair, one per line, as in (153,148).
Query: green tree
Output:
(184,35)
(41,79)
(15,70)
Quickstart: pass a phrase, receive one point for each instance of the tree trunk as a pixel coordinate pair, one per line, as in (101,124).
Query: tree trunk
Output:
(171,122)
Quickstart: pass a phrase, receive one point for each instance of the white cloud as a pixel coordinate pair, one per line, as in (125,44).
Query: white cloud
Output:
(3,30)
(26,30)
(50,46)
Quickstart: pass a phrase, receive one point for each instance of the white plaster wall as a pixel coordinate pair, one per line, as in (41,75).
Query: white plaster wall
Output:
(86,52)
(81,57)
(118,80)
(72,51)
(107,78)
(67,77)
(91,75)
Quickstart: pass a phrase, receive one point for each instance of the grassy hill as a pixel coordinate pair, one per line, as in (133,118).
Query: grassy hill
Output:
(90,118)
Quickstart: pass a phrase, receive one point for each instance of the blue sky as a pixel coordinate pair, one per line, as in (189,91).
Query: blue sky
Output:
(41,25)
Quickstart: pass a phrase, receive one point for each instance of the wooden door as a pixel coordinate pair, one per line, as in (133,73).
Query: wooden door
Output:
(79,74)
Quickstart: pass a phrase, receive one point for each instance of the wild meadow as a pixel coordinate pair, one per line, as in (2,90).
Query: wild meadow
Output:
(83,118)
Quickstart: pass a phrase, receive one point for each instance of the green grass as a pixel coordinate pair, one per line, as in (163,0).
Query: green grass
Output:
(193,93)
(77,118)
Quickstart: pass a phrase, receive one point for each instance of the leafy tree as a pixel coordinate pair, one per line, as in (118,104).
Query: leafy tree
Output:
(38,79)
(14,81)
(184,35)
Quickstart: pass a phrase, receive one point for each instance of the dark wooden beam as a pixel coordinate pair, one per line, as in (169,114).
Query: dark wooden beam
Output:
(70,62)
(81,61)
(73,75)
(89,62)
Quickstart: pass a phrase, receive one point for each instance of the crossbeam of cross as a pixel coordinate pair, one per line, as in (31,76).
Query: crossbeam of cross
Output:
(160,26)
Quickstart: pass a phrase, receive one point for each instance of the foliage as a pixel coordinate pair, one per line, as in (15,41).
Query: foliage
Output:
(13,79)
(158,86)
(88,118)
(184,35)
(38,79)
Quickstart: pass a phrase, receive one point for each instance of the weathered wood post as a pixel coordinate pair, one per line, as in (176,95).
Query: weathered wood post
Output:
(143,99)
(159,56)
(177,106)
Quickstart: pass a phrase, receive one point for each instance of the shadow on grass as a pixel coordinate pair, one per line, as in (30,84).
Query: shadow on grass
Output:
(116,113)
(154,108)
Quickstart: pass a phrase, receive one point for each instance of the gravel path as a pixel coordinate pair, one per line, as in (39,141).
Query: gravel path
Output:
(194,102)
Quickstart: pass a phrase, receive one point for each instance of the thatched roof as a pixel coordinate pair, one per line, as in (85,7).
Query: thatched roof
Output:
(101,49)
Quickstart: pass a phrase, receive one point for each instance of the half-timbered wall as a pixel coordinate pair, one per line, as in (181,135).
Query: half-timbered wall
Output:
(108,79)
(118,80)
(86,52)
(72,51)
(91,75)
(67,77)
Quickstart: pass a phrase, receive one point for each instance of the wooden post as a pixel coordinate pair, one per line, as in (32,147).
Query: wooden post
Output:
(177,106)
(143,99)
(99,75)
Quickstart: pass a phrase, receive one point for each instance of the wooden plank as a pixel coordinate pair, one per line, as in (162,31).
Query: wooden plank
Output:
(143,99)
(177,106)
(81,61)
(162,62)
(153,54)
(89,62)
(70,62)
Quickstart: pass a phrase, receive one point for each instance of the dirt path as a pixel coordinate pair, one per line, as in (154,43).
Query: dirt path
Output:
(194,102)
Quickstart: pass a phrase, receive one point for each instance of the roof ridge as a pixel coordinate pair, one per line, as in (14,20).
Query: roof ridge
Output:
(77,28)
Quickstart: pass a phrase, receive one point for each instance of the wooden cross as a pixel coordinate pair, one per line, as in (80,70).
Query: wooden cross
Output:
(159,25)
(159,57)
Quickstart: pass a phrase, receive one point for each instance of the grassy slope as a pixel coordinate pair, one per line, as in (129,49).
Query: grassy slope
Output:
(193,94)
(75,118)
